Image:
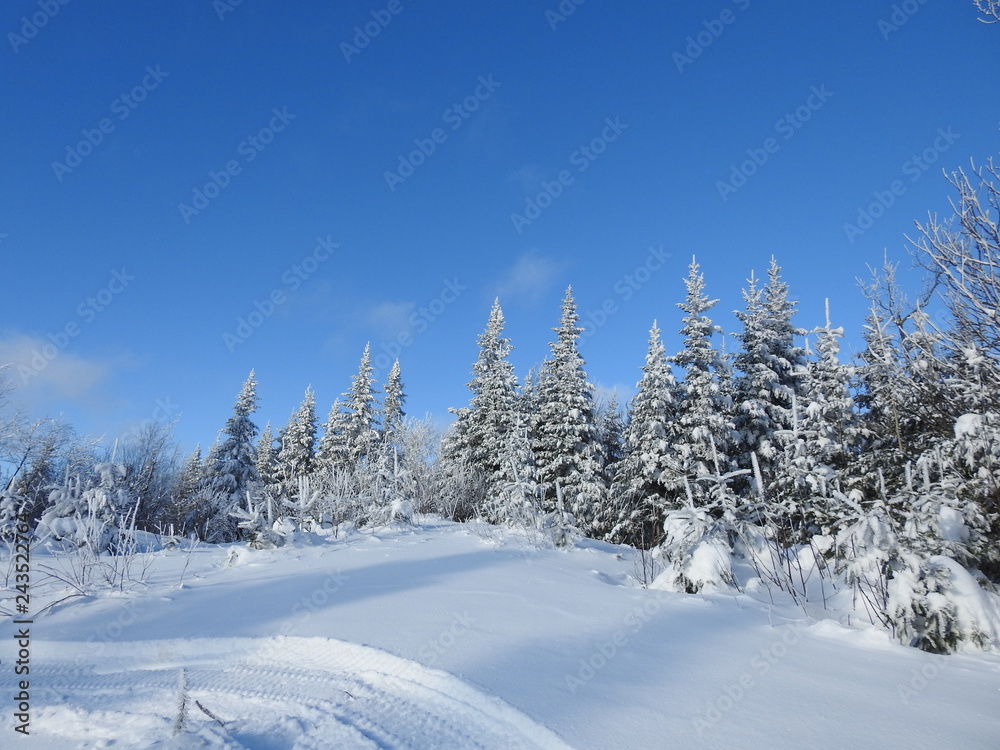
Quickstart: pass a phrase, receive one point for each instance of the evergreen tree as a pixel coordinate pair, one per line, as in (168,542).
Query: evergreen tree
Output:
(360,425)
(702,439)
(493,409)
(392,407)
(817,450)
(267,458)
(296,458)
(189,480)
(567,443)
(771,367)
(639,481)
(333,452)
(231,472)
(612,431)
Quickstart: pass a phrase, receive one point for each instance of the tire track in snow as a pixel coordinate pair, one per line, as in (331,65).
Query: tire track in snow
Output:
(306,693)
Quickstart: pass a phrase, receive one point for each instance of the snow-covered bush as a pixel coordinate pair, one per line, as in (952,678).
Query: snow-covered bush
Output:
(695,552)
(935,604)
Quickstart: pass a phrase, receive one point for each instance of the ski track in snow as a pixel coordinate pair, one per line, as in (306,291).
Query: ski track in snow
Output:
(281,692)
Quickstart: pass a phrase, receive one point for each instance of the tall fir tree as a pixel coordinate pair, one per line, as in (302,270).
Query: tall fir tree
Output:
(817,450)
(360,424)
(493,409)
(231,472)
(567,443)
(267,458)
(297,458)
(392,407)
(771,367)
(333,452)
(639,487)
(702,438)
(612,425)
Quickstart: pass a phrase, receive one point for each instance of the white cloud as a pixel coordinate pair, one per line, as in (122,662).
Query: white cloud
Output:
(530,277)
(390,318)
(42,373)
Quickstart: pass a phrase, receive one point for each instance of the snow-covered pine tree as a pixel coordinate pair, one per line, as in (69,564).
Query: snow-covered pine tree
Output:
(186,485)
(771,367)
(332,452)
(817,450)
(476,448)
(567,443)
(231,471)
(297,458)
(611,425)
(463,485)
(493,409)
(360,424)
(267,457)
(639,485)
(702,439)
(392,408)
(513,498)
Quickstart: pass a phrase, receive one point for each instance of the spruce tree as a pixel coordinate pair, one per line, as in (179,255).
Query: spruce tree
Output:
(567,443)
(771,367)
(360,425)
(267,458)
(817,450)
(392,407)
(702,438)
(639,480)
(296,458)
(493,409)
(232,470)
(333,452)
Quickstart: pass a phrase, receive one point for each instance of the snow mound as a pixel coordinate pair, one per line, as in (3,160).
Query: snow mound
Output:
(300,693)
(968,425)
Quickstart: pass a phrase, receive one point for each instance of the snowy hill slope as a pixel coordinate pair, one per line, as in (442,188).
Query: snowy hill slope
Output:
(442,637)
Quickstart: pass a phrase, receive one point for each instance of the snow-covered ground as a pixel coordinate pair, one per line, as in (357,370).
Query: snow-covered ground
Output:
(467,637)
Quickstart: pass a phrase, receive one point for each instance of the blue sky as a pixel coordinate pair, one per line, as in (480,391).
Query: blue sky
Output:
(172,169)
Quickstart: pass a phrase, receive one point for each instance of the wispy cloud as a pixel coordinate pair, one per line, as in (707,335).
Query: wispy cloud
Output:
(43,375)
(389,318)
(529,278)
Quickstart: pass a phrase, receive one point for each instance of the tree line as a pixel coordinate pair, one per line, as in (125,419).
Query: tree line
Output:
(876,477)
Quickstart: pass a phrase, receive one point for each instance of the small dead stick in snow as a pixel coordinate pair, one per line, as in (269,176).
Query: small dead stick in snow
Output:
(210,715)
